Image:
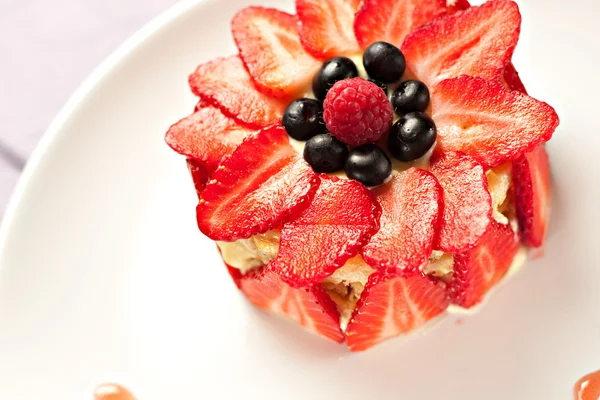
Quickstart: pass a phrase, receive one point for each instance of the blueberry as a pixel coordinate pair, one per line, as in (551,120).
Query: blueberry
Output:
(303,119)
(410,96)
(384,62)
(412,136)
(336,69)
(325,153)
(369,165)
(382,85)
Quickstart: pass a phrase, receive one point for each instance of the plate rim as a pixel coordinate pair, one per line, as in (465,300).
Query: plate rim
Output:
(85,89)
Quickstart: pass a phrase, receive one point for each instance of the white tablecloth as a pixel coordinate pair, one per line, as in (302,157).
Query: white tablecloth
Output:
(47,48)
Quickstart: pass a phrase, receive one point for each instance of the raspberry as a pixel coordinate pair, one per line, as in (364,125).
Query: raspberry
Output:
(357,111)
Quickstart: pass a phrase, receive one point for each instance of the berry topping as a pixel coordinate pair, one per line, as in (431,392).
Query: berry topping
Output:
(479,269)
(412,136)
(384,62)
(531,180)
(332,71)
(311,308)
(411,204)
(357,112)
(392,20)
(303,119)
(262,184)
(457,5)
(369,165)
(478,42)
(270,47)
(382,85)
(411,95)
(392,306)
(325,153)
(327,26)
(225,83)
(206,136)
(467,211)
(488,121)
(336,225)
(199,175)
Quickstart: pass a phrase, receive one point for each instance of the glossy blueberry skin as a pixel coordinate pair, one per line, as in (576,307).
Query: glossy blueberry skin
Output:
(410,96)
(384,62)
(303,119)
(412,136)
(369,165)
(332,71)
(325,153)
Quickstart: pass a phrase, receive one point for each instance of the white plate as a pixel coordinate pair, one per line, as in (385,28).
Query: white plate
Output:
(104,276)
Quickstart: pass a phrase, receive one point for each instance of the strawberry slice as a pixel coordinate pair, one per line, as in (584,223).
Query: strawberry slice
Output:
(453,6)
(311,308)
(256,188)
(199,175)
(488,121)
(467,210)
(411,203)
(326,26)
(531,181)
(512,80)
(225,83)
(270,47)
(392,306)
(340,220)
(392,20)
(206,136)
(477,42)
(479,269)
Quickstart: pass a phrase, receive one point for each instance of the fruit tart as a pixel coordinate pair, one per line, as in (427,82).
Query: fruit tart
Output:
(367,166)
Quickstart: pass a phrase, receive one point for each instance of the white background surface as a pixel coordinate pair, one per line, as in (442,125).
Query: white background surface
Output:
(105,277)
(47,48)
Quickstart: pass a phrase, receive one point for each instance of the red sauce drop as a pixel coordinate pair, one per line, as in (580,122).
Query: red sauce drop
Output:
(112,391)
(588,387)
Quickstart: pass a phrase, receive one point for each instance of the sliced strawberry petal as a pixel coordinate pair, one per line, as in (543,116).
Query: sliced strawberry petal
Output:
(199,175)
(206,136)
(453,6)
(326,26)
(392,306)
(479,269)
(488,121)
(531,181)
(512,80)
(392,20)
(270,47)
(467,210)
(225,83)
(477,42)
(256,188)
(411,203)
(340,220)
(311,308)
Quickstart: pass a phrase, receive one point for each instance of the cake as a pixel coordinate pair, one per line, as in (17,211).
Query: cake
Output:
(365,167)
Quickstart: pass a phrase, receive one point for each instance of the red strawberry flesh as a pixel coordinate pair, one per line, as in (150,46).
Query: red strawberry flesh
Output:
(206,136)
(392,306)
(338,223)
(467,210)
(225,83)
(477,42)
(326,26)
(311,308)
(476,271)
(263,183)
(488,121)
(411,203)
(199,175)
(392,20)
(270,47)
